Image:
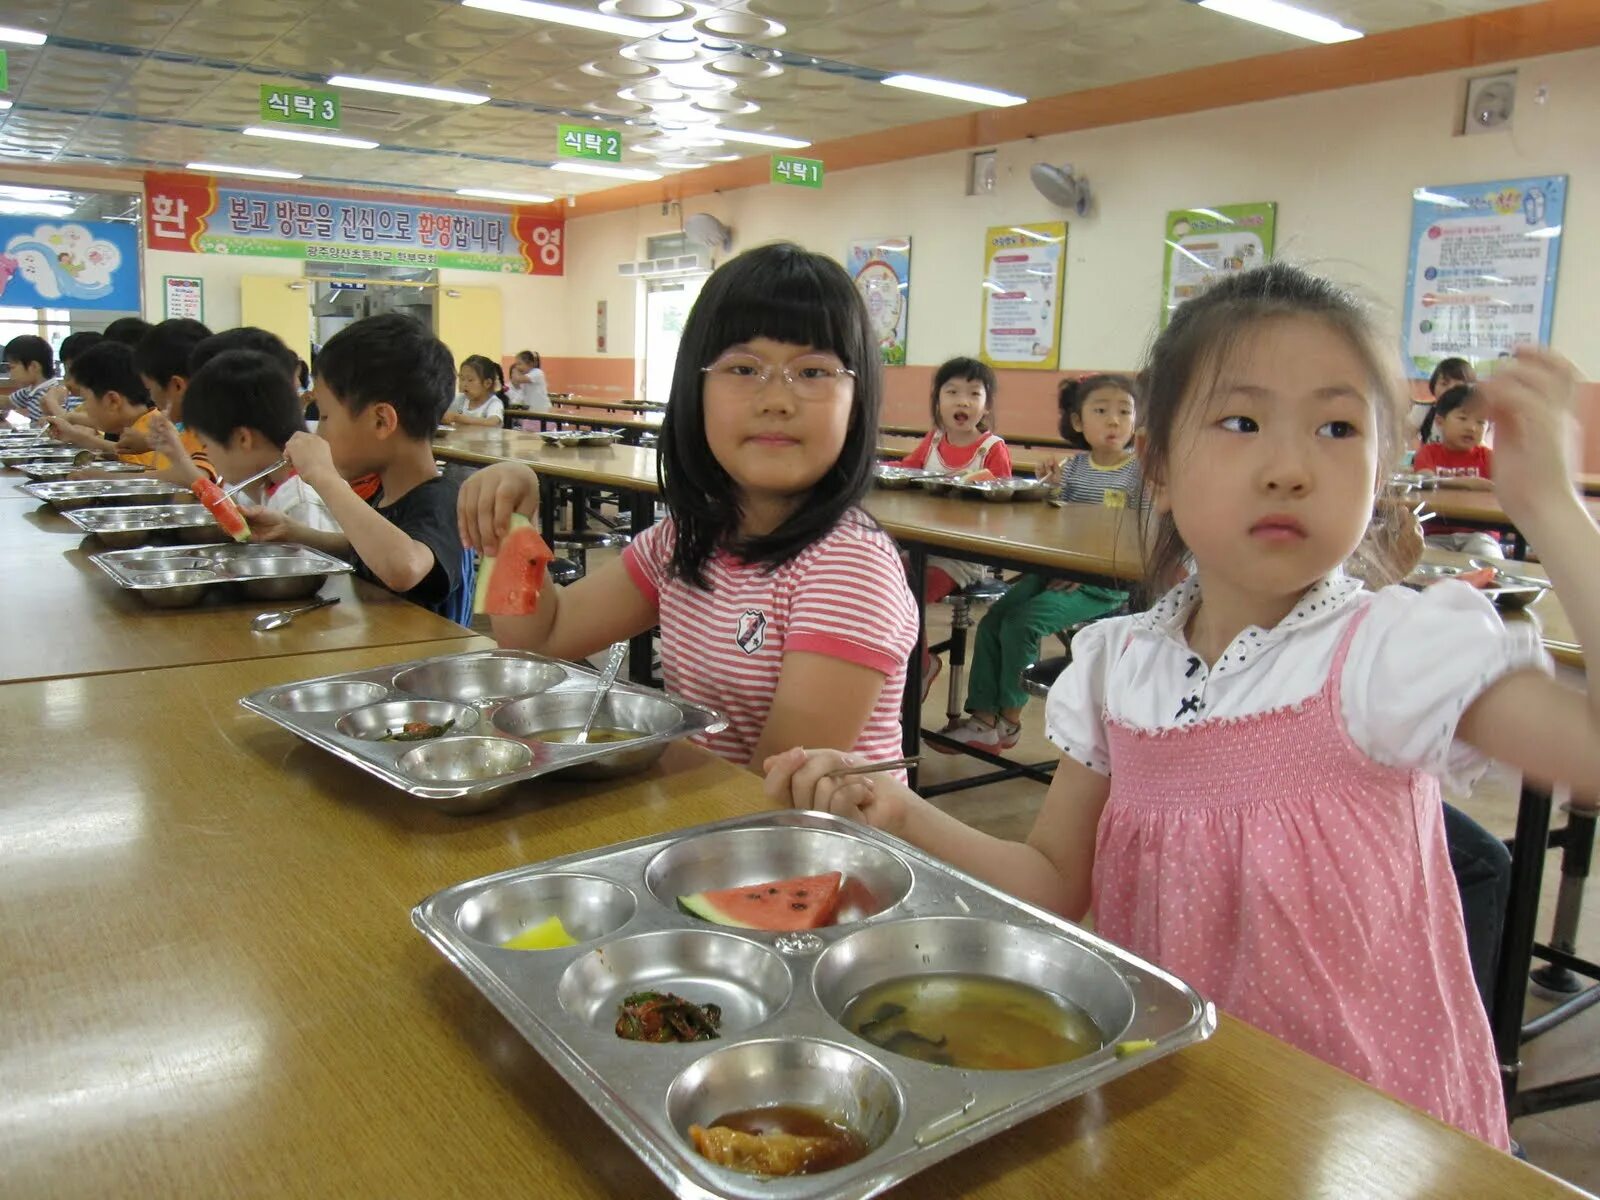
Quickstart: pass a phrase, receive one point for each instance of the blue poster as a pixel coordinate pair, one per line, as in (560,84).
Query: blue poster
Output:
(1482,275)
(69,264)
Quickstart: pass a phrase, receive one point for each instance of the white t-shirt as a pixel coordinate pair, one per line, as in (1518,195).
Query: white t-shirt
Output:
(1415,665)
(298,501)
(533,392)
(492,407)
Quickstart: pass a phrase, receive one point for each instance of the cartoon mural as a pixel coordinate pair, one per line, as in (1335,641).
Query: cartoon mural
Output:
(90,264)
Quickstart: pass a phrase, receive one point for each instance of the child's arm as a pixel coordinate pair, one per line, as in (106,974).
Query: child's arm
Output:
(397,559)
(820,701)
(998,461)
(466,418)
(1052,869)
(1547,729)
(86,436)
(270,525)
(180,467)
(604,606)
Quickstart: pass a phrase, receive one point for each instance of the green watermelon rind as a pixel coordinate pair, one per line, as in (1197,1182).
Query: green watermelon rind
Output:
(696,904)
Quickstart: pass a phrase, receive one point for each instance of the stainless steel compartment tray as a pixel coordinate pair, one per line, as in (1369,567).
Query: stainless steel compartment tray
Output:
(155,518)
(639,1089)
(93,491)
(225,562)
(491,690)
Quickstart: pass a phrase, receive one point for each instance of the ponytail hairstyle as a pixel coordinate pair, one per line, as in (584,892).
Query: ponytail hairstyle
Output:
(1446,404)
(1073,392)
(489,371)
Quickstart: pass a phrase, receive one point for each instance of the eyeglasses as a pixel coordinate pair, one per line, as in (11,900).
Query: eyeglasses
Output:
(810,377)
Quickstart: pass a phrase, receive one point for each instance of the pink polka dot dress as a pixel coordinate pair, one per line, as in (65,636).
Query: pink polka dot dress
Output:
(1306,889)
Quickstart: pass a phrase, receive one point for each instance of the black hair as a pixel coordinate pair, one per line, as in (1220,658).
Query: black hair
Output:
(489,371)
(390,359)
(790,295)
(966,368)
(129,331)
(108,366)
(302,373)
(1441,408)
(1183,368)
(1458,369)
(531,357)
(75,344)
(1073,392)
(163,353)
(31,348)
(245,337)
(243,389)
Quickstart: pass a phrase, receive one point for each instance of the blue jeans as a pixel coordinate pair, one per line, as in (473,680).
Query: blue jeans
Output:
(1482,867)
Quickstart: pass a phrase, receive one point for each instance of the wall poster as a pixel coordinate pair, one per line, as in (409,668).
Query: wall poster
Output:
(1205,244)
(881,267)
(1024,279)
(47,263)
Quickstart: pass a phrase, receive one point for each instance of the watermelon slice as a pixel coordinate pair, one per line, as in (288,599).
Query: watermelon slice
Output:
(779,905)
(509,583)
(220,506)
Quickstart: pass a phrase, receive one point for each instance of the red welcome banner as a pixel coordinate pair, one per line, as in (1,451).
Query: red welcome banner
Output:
(198,214)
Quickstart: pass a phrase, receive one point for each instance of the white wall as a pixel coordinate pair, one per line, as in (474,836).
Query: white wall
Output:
(1341,166)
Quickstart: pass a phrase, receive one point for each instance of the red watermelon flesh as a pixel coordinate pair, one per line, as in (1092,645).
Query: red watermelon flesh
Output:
(779,905)
(222,507)
(509,583)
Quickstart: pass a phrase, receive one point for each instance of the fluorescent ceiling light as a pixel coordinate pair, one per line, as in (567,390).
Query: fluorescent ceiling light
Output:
(561,15)
(225,169)
(1035,234)
(1439,198)
(955,91)
(583,168)
(4,104)
(22,37)
(1285,18)
(390,88)
(13,191)
(1549,231)
(758,139)
(316,139)
(32,208)
(494,194)
(1213,214)
(1194,258)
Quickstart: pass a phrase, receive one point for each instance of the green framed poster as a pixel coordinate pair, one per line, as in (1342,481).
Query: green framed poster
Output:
(1205,244)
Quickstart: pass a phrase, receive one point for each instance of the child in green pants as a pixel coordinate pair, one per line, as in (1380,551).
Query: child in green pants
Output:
(1098,414)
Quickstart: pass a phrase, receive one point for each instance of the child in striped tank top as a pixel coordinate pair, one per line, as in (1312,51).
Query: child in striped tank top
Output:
(1097,417)
(781,603)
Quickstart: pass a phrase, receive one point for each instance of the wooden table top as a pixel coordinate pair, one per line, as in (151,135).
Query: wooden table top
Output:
(645,423)
(211,977)
(1465,506)
(66,617)
(604,405)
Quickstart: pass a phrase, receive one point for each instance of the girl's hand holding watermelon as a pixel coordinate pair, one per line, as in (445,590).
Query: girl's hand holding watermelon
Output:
(798,778)
(490,498)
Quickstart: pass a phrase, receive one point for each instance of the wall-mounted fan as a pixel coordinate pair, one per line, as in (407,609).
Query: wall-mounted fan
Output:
(1491,100)
(708,232)
(1061,187)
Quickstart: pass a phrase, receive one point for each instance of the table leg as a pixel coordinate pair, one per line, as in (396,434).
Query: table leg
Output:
(911,702)
(1577,854)
(1516,941)
(641,515)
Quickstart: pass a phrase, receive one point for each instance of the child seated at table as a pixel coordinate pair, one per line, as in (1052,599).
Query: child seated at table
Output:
(1450,373)
(781,603)
(162,357)
(115,401)
(243,407)
(1098,415)
(482,398)
(381,386)
(58,401)
(1459,459)
(1249,789)
(31,369)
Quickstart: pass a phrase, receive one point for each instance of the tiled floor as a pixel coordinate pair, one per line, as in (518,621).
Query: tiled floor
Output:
(1565,1142)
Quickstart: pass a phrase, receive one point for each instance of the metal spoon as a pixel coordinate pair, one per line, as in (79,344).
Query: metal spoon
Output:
(262,622)
(607,678)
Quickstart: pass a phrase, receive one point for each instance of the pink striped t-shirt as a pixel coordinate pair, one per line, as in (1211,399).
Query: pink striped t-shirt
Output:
(845,596)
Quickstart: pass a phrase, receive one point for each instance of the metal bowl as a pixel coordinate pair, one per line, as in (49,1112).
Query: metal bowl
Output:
(939,485)
(898,478)
(174,589)
(538,716)
(974,946)
(995,491)
(128,539)
(748,981)
(876,880)
(375,721)
(144,563)
(589,908)
(332,695)
(285,578)
(834,1080)
(450,760)
(477,677)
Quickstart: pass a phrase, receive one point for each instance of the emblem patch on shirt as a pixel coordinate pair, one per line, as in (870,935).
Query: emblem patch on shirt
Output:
(752,632)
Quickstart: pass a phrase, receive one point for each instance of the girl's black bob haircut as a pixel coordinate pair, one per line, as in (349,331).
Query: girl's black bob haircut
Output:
(787,294)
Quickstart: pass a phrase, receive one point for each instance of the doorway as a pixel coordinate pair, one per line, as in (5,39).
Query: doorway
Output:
(666,308)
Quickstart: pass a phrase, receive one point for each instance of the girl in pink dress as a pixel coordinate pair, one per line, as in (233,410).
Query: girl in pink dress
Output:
(1249,788)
